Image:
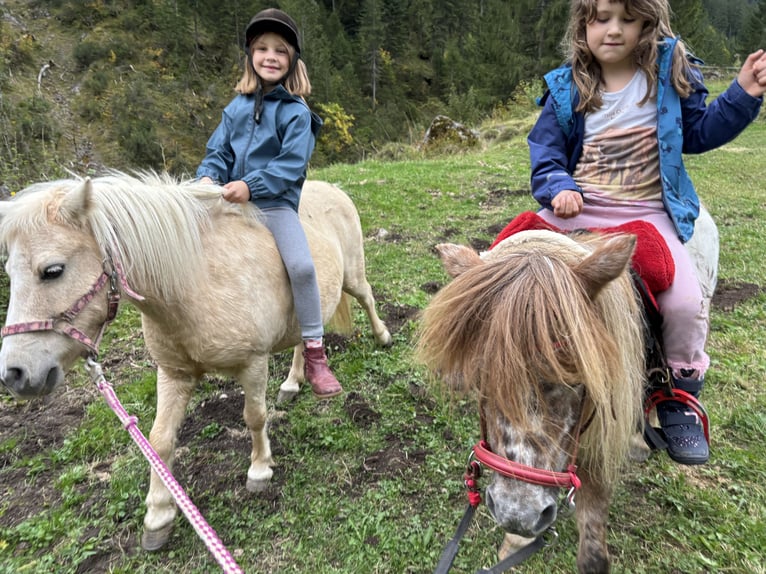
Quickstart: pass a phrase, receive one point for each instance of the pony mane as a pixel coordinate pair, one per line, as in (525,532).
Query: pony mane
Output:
(521,319)
(152,223)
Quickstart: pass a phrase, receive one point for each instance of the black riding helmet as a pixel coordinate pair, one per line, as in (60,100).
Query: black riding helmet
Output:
(273,20)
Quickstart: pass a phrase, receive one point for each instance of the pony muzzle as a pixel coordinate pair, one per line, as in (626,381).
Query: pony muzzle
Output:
(22,385)
(525,518)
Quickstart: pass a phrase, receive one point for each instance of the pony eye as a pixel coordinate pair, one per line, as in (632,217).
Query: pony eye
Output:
(52,272)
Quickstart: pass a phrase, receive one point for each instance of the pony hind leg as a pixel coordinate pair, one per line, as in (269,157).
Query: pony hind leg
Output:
(173,394)
(291,385)
(360,289)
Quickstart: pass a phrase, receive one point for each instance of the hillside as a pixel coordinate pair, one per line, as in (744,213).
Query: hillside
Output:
(140,83)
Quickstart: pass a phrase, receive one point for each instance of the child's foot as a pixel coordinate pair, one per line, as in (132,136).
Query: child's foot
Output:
(683,429)
(683,432)
(317,372)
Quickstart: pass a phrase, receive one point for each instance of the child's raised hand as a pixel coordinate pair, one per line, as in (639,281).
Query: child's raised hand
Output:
(752,76)
(567,203)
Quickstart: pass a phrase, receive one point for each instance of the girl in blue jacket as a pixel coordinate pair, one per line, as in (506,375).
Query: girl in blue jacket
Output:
(607,149)
(259,152)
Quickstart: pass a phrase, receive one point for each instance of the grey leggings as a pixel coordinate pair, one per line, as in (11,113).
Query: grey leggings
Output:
(285,226)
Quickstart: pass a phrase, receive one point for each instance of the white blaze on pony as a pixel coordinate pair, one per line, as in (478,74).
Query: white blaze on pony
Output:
(546,331)
(214,294)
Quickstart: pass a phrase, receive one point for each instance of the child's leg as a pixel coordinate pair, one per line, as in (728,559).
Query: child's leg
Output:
(684,331)
(293,247)
(685,315)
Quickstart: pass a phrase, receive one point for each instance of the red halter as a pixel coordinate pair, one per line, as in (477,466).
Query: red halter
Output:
(482,452)
(63,322)
(512,469)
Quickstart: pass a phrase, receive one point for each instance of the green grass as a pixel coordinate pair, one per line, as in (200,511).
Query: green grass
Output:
(334,509)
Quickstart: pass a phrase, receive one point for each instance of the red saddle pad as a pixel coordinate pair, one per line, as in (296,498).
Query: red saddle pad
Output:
(652,260)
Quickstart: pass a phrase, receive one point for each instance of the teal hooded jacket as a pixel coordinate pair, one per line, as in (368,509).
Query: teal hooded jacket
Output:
(266,141)
(684,126)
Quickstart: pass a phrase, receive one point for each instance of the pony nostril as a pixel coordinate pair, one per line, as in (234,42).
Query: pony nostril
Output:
(52,379)
(14,378)
(547,518)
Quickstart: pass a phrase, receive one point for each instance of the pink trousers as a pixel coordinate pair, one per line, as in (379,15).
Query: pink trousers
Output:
(684,312)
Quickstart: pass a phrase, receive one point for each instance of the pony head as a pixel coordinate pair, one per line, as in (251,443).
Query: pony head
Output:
(51,260)
(546,333)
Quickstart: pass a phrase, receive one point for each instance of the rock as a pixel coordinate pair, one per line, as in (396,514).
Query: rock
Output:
(446,132)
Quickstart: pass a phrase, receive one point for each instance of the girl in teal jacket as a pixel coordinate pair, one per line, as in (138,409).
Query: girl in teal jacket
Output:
(607,149)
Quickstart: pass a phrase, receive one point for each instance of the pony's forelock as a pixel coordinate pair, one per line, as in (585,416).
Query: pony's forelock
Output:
(506,326)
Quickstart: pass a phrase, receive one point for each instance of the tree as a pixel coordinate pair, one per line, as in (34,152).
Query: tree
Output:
(754,35)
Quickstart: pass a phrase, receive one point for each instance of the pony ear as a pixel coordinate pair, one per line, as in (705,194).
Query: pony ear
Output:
(606,263)
(76,203)
(457,259)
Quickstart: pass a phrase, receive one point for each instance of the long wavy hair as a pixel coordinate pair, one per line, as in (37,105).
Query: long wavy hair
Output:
(587,71)
(297,80)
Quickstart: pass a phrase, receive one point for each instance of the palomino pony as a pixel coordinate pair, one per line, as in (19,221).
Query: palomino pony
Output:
(206,276)
(547,331)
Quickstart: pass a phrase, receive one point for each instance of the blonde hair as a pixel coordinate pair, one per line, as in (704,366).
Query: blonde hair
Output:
(586,71)
(297,81)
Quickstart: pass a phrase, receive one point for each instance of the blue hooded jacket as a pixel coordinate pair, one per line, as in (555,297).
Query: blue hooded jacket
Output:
(269,155)
(684,125)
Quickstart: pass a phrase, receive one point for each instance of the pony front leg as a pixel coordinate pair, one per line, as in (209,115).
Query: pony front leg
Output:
(173,394)
(253,380)
(592,512)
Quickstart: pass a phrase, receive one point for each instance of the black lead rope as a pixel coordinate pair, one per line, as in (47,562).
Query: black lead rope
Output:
(450,550)
(516,558)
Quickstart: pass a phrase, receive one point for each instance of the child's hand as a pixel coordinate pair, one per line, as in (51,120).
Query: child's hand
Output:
(567,204)
(752,76)
(236,192)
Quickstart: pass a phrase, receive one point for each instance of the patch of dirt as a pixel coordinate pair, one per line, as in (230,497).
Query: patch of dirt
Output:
(479,244)
(396,316)
(494,230)
(26,495)
(395,459)
(729,293)
(359,411)
(499,195)
(33,426)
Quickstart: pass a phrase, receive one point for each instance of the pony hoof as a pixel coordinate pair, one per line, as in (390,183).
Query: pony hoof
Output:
(639,451)
(287,392)
(385,340)
(257,485)
(153,540)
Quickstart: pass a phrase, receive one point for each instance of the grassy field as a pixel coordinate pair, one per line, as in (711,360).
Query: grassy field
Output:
(372,482)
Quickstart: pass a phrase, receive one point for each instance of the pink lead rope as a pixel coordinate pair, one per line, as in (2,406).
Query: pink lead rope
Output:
(203,529)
